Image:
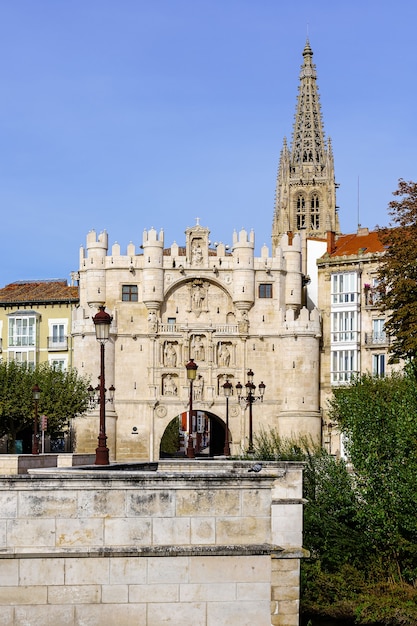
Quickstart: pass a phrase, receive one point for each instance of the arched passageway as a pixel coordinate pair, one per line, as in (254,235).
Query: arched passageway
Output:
(208,435)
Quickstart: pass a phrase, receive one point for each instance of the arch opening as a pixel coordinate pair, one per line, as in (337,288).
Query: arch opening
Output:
(208,434)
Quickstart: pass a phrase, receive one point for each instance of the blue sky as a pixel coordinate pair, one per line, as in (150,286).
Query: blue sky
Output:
(126,114)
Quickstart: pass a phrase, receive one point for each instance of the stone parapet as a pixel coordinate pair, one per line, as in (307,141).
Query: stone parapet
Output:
(188,543)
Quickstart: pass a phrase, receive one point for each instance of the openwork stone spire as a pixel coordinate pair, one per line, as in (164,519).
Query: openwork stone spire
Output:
(306,189)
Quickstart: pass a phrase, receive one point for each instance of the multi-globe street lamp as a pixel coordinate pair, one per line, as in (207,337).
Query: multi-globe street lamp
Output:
(250,398)
(102,321)
(227,390)
(36,394)
(191,376)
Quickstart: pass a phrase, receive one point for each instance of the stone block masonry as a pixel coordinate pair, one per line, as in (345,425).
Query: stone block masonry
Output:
(190,544)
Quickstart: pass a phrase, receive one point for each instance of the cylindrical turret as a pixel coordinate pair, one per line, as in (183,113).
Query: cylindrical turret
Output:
(153,273)
(95,265)
(291,248)
(243,269)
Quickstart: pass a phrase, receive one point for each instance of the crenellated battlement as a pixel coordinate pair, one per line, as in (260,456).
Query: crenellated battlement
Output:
(304,322)
(243,239)
(290,242)
(152,237)
(97,242)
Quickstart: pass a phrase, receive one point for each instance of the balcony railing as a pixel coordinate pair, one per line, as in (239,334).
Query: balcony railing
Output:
(376,339)
(220,329)
(59,344)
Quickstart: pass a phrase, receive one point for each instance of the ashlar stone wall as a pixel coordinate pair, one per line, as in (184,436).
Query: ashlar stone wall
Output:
(186,544)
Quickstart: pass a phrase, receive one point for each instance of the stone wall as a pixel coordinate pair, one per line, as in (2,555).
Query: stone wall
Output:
(187,544)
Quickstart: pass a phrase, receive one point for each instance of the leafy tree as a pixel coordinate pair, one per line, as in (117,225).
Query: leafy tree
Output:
(377,417)
(398,272)
(332,531)
(64,395)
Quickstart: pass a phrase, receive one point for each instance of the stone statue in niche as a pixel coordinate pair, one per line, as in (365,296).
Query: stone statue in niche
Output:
(243,323)
(197,348)
(152,322)
(198,388)
(170,388)
(224,355)
(196,253)
(170,355)
(198,296)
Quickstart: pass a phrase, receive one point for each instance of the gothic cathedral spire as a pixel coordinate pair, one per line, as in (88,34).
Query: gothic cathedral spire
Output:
(305,196)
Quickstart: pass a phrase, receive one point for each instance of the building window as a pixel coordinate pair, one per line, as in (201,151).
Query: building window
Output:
(58,364)
(129,293)
(315,213)
(58,339)
(301,212)
(378,364)
(344,288)
(27,356)
(22,331)
(378,331)
(344,365)
(265,290)
(344,326)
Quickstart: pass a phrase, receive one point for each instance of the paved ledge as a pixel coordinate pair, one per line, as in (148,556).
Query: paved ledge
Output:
(144,551)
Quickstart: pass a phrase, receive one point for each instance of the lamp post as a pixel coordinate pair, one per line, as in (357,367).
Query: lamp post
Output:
(36,394)
(102,321)
(227,389)
(250,398)
(191,376)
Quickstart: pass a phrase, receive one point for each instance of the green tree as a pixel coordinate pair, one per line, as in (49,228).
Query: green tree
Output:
(398,272)
(332,531)
(377,417)
(64,394)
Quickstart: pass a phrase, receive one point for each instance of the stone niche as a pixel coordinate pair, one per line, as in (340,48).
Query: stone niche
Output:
(202,543)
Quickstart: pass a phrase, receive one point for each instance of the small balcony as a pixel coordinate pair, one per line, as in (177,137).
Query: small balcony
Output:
(376,339)
(58,344)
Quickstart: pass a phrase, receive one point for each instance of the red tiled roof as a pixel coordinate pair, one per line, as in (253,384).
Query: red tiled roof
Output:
(36,291)
(354,244)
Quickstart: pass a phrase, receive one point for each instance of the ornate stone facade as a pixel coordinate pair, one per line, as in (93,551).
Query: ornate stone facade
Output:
(227,310)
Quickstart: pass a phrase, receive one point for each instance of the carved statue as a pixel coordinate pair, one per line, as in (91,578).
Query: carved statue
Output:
(197,346)
(152,322)
(198,296)
(170,355)
(224,355)
(198,388)
(244,322)
(170,388)
(196,254)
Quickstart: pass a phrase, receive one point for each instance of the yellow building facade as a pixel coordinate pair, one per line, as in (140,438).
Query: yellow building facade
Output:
(35,322)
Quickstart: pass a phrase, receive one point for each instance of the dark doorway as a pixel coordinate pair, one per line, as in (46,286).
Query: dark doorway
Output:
(209,435)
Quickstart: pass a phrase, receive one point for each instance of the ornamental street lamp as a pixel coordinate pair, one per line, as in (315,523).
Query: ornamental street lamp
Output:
(94,394)
(36,394)
(250,398)
(191,376)
(227,389)
(102,321)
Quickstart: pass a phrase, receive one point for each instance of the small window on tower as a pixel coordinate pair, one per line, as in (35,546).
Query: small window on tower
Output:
(315,212)
(265,290)
(129,293)
(301,212)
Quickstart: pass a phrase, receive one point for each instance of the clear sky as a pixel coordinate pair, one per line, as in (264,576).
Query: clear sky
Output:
(120,115)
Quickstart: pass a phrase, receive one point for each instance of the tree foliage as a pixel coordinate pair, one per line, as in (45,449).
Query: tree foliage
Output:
(398,272)
(64,395)
(378,418)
